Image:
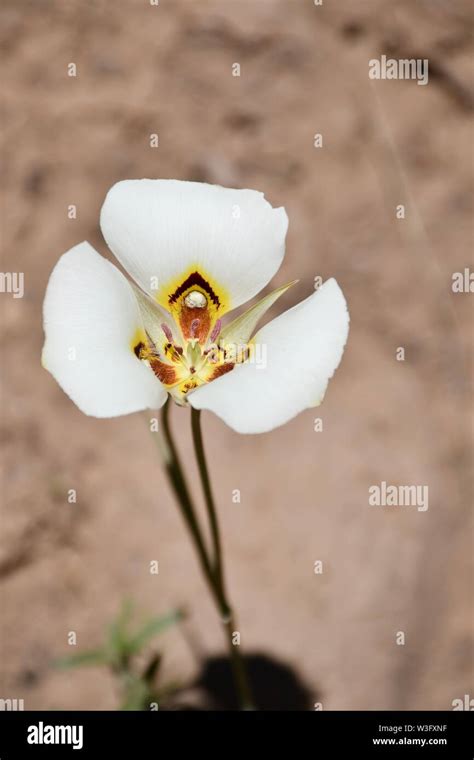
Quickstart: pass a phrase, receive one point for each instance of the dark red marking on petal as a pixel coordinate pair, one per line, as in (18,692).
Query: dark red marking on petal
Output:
(166,374)
(222,369)
(137,350)
(194,323)
(189,386)
(194,279)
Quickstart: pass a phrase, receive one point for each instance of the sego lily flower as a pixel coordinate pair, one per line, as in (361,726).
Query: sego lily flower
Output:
(195,252)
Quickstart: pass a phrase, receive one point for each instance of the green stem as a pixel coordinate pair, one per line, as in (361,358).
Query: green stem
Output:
(180,488)
(212,571)
(237,661)
(208,497)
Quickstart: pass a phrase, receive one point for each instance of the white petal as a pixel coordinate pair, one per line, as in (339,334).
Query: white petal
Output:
(303,349)
(91,317)
(164,230)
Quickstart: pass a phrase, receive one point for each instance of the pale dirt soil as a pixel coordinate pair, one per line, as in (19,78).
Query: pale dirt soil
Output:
(304,494)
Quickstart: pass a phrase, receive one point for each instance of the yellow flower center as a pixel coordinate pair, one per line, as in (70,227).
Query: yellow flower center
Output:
(189,354)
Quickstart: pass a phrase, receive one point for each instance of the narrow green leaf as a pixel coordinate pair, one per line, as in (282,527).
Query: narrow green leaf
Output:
(137,696)
(118,631)
(90,657)
(152,628)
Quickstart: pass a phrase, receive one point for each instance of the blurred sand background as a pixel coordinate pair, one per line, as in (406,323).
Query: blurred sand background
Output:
(304,70)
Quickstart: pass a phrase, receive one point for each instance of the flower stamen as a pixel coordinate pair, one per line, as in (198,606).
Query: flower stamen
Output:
(167,332)
(215,331)
(194,327)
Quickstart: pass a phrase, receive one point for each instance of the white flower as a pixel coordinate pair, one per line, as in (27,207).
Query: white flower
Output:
(195,252)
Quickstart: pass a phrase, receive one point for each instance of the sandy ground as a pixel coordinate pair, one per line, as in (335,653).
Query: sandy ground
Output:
(304,70)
